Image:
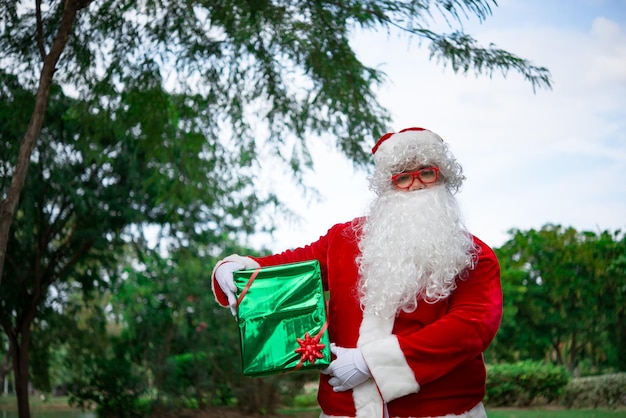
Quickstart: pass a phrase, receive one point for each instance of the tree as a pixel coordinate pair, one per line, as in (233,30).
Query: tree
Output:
(62,336)
(617,271)
(290,62)
(568,294)
(49,59)
(170,327)
(84,196)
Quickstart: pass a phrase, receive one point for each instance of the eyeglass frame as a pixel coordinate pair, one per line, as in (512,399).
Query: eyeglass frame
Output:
(414,175)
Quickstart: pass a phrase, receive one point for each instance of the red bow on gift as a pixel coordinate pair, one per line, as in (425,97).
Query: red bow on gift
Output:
(310,348)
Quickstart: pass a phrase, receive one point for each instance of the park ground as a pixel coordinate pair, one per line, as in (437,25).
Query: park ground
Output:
(543,411)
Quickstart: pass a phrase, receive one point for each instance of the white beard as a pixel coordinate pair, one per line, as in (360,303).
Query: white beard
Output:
(414,246)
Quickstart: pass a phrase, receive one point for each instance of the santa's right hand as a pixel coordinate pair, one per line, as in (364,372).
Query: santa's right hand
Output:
(224,278)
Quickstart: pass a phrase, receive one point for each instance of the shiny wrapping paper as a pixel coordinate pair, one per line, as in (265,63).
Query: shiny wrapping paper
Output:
(282,319)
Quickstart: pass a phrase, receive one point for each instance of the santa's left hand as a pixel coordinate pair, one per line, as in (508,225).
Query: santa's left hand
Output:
(348,370)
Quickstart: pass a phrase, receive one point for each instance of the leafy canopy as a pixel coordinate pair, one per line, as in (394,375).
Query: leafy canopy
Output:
(564,297)
(255,70)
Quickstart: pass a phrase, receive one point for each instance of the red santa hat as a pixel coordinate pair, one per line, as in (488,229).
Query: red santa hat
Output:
(394,144)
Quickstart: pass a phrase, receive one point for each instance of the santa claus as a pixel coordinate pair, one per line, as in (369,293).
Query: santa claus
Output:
(415,299)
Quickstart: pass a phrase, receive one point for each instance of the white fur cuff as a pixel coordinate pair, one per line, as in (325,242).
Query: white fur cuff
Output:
(389,368)
(246,261)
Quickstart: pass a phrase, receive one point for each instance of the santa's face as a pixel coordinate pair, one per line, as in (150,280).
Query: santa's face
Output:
(413,248)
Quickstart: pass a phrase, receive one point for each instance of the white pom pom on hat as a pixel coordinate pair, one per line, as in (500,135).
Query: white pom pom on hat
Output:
(394,142)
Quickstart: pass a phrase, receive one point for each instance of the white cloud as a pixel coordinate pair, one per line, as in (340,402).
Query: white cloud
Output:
(609,65)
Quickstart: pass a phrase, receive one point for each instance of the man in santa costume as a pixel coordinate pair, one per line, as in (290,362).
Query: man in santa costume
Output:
(415,299)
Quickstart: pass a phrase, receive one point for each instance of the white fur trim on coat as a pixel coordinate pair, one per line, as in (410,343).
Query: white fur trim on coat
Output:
(476,412)
(389,368)
(367,399)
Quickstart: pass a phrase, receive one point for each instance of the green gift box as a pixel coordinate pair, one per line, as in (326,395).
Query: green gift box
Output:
(282,319)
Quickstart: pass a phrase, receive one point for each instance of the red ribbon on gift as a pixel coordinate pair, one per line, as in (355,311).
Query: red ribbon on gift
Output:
(247,286)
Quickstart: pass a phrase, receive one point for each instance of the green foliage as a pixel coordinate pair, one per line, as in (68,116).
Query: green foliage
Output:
(169,318)
(94,180)
(564,299)
(305,400)
(113,385)
(519,384)
(59,339)
(596,391)
(185,375)
(286,66)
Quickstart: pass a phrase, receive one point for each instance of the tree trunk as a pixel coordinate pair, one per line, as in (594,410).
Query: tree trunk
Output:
(20,371)
(9,204)
(4,371)
(573,353)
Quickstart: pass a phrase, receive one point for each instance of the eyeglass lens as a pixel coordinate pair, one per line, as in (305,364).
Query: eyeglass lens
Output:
(425,175)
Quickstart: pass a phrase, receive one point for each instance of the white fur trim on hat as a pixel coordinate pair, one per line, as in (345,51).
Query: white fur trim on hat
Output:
(393,144)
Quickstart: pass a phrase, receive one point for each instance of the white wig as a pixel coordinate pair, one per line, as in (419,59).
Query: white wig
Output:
(410,149)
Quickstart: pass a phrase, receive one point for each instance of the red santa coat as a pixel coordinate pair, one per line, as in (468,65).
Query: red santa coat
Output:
(427,363)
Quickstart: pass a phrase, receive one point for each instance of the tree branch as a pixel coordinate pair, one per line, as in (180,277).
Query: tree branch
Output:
(40,45)
(9,204)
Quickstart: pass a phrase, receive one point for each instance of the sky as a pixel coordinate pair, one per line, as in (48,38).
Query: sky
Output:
(531,158)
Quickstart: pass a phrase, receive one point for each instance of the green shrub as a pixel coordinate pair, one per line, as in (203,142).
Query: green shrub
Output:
(521,383)
(113,386)
(608,390)
(185,378)
(305,400)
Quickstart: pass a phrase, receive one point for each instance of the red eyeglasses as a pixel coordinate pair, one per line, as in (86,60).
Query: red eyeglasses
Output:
(427,175)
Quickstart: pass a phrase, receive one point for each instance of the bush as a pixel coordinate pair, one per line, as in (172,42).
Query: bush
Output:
(521,383)
(608,390)
(305,400)
(113,386)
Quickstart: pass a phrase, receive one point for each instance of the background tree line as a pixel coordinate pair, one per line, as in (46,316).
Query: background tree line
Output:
(565,299)
(119,117)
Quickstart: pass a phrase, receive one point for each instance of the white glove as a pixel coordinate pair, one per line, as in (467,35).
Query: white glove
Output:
(224,278)
(348,369)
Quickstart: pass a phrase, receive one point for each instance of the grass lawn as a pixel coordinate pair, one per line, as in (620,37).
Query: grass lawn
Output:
(60,404)
(548,412)
(55,402)
(556,413)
